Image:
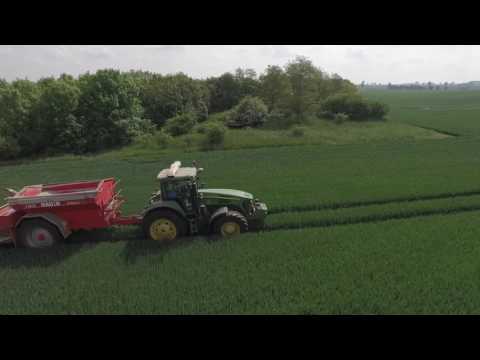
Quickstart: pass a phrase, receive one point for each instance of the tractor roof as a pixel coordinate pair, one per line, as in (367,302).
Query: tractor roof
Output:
(176,171)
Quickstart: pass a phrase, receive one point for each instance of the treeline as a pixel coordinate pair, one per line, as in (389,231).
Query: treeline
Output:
(417,86)
(444,86)
(111,108)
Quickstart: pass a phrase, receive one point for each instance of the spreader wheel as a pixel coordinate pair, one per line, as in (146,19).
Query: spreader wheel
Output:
(232,223)
(37,233)
(164,226)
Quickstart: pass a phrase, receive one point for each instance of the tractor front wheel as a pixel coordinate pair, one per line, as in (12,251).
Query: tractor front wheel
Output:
(232,223)
(164,226)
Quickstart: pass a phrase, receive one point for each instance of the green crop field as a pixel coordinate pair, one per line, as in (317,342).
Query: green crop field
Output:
(356,227)
(456,112)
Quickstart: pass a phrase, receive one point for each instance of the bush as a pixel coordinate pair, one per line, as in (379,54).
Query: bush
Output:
(188,140)
(126,130)
(145,140)
(180,125)
(9,148)
(297,131)
(326,115)
(340,118)
(221,117)
(251,111)
(156,140)
(378,111)
(214,136)
(138,126)
(355,106)
(277,119)
(201,129)
(161,139)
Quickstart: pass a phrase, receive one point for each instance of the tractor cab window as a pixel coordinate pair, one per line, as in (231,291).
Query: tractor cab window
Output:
(175,190)
(170,191)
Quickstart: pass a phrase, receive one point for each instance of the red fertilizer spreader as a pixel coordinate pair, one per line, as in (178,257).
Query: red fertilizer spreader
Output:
(40,215)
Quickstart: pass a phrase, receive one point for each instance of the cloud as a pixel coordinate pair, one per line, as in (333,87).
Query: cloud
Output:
(6,50)
(282,52)
(372,63)
(97,52)
(356,54)
(166,48)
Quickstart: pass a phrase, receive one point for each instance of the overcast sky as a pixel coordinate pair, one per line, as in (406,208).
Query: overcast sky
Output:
(370,63)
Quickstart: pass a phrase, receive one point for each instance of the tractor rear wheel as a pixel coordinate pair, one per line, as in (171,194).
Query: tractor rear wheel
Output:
(37,233)
(164,226)
(232,223)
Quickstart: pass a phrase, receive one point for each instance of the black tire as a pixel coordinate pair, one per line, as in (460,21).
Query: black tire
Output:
(37,233)
(231,217)
(156,216)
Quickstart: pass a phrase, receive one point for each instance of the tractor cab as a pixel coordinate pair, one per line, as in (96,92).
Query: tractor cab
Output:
(180,184)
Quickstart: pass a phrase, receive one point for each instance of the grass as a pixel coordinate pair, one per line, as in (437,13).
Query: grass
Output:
(285,176)
(317,132)
(455,112)
(407,199)
(372,213)
(389,268)
(326,132)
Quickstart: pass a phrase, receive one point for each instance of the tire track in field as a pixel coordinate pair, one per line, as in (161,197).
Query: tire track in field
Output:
(433,129)
(352,204)
(372,218)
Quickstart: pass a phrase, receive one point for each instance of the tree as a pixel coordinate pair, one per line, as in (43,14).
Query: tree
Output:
(58,126)
(109,109)
(165,97)
(9,148)
(275,87)
(17,102)
(247,82)
(304,77)
(4,87)
(225,92)
(334,85)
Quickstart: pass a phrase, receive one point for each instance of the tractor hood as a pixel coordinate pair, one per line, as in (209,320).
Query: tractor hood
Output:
(225,193)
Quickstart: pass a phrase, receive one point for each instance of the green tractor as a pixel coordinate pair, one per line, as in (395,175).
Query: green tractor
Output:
(181,207)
